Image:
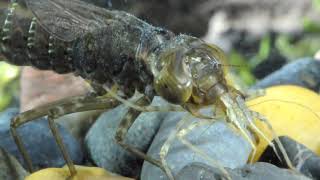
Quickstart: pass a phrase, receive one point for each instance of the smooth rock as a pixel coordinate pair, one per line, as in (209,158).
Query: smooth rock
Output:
(200,171)
(217,140)
(105,152)
(39,142)
(304,72)
(10,169)
(302,158)
(261,171)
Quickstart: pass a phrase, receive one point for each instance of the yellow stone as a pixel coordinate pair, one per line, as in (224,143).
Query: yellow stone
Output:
(292,111)
(83,173)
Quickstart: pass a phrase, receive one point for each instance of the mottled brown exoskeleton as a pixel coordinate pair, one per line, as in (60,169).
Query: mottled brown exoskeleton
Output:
(109,47)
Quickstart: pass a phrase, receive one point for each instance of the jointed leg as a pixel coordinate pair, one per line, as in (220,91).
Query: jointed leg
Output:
(54,111)
(143,108)
(237,116)
(180,132)
(246,135)
(276,138)
(249,123)
(249,116)
(252,94)
(181,136)
(123,128)
(21,148)
(60,143)
(168,107)
(166,146)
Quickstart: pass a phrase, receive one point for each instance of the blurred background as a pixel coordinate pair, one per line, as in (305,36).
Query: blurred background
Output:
(259,35)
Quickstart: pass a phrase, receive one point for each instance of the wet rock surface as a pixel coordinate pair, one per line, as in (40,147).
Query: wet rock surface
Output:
(39,142)
(217,140)
(105,152)
(306,161)
(304,72)
(260,170)
(10,169)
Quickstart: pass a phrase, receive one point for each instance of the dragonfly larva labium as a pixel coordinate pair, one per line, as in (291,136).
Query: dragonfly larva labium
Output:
(109,47)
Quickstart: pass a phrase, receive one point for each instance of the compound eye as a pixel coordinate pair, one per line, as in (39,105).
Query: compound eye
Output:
(174,82)
(168,88)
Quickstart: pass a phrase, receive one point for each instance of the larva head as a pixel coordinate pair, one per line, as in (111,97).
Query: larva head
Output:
(188,74)
(208,78)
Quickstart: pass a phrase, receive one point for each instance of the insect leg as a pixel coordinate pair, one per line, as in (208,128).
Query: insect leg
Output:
(194,111)
(237,114)
(20,146)
(181,136)
(59,141)
(249,122)
(246,135)
(123,128)
(143,108)
(180,132)
(166,146)
(276,138)
(98,90)
(255,93)
(56,110)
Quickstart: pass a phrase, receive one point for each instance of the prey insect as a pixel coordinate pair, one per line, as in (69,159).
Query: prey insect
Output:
(109,47)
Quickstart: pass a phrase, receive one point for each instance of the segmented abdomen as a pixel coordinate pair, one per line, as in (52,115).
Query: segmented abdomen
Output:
(122,51)
(23,42)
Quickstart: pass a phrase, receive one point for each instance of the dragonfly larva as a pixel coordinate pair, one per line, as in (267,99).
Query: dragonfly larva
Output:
(109,47)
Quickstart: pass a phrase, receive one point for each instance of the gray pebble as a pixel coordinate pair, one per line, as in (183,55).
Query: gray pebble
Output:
(10,169)
(304,72)
(257,171)
(78,124)
(302,158)
(39,142)
(220,142)
(105,152)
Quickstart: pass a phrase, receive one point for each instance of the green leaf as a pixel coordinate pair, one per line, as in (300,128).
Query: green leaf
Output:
(8,83)
(263,53)
(316,4)
(244,70)
(310,26)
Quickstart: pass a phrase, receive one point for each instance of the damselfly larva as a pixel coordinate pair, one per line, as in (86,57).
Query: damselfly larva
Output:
(113,47)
